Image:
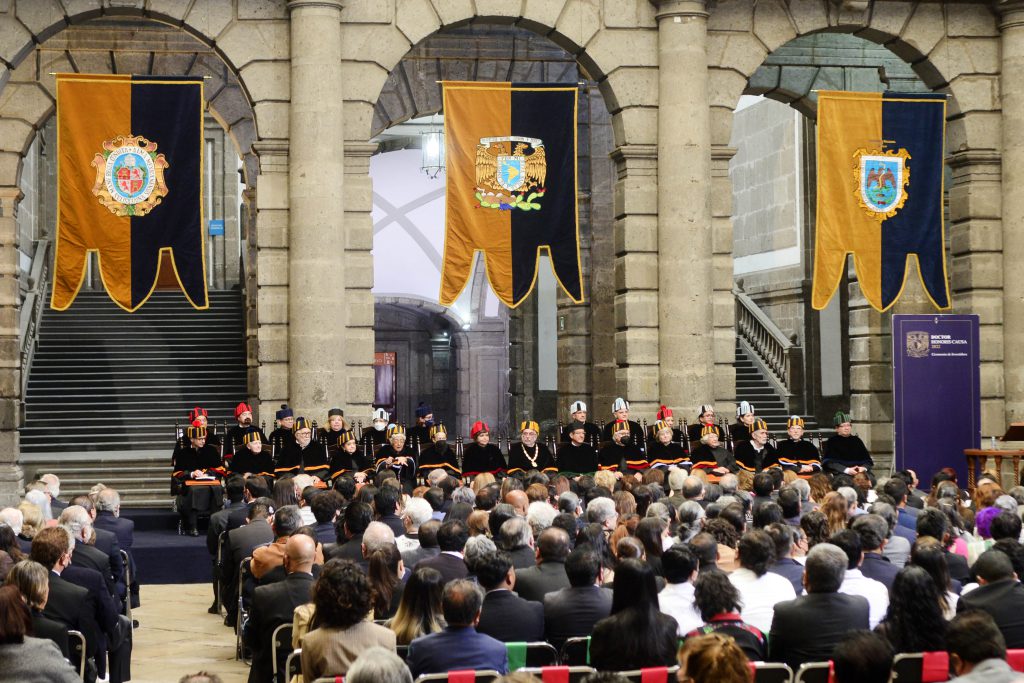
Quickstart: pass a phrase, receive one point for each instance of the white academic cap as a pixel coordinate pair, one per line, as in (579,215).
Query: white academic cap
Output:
(577,406)
(744,408)
(380,414)
(620,404)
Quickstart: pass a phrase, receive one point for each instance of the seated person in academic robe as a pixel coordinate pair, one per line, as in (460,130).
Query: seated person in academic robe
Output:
(755,453)
(198,413)
(578,413)
(347,459)
(336,426)
(418,435)
(528,454)
(284,434)
(252,457)
(481,455)
(745,416)
(845,453)
(438,455)
(315,456)
(398,457)
(289,458)
(705,418)
(198,471)
(243,419)
(377,433)
(577,456)
(665,415)
(797,454)
(664,452)
(712,457)
(620,409)
(621,453)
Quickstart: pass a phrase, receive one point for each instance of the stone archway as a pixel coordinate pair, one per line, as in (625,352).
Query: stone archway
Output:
(953,49)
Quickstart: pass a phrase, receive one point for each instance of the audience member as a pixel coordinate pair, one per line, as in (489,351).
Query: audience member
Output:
(339,630)
(10,551)
(357,517)
(31,580)
(873,531)
(273,604)
(287,521)
(533,583)
(326,507)
(928,554)
(378,665)
(24,657)
(676,599)
(914,621)
(808,628)
(718,601)
(426,538)
(855,583)
(713,658)
(637,634)
(759,589)
(241,544)
(1000,594)
(506,616)
(977,650)
(862,657)
(935,524)
(516,538)
(789,544)
(451,539)
(572,612)
(419,610)
(458,646)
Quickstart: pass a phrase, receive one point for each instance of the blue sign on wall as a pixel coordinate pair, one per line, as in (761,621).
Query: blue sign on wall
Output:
(936,392)
(216,226)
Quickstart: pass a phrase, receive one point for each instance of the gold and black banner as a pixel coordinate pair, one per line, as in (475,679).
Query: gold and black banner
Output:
(129,185)
(511,187)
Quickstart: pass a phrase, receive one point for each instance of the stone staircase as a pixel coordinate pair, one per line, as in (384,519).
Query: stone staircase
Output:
(106,388)
(753,386)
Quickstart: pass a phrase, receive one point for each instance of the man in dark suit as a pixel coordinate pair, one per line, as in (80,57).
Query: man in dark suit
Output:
(255,488)
(427,537)
(458,646)
(350,533)
(572,612)
(78,521)
(108,518)
(808,628)
(273,605)
(451,539)
(105,541)
(873,531)
(386,502)
(234,488)
(549,574)
(1000,594)
(241,542)
(67,603)
(506,616)
(934,523)
(784,536)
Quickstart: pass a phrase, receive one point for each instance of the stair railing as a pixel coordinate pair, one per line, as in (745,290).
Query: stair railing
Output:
(779,356)
(33,306)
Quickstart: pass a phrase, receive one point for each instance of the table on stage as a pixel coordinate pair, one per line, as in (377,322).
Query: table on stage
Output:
(978,458)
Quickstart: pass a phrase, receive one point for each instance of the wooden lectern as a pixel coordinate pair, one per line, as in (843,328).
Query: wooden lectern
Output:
(978,458)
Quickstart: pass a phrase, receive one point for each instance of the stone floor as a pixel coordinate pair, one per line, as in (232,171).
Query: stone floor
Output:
(176,637)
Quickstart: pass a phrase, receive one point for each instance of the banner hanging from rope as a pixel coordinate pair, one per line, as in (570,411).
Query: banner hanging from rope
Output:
(129,185)
(511,183)
(880,188)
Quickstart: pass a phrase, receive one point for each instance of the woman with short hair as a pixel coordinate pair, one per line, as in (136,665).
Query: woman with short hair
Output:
(26,658)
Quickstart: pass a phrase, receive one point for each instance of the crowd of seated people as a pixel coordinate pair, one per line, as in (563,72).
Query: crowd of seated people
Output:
(662,569)
(71,565)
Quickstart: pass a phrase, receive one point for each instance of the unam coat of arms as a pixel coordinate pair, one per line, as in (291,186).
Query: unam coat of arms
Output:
(506,177)
(918,344)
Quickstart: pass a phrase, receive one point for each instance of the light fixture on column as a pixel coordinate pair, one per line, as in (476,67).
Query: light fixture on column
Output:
(432,148)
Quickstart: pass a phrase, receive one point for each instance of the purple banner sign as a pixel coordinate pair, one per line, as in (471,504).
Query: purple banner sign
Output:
(936,392)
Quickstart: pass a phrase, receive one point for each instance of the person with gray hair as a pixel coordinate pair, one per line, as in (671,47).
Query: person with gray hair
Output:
(540,515)
(417,511)
(477,547)
(516,538)
(808,628)
(602,511)
(850,495)
(78,522)
(287,520)
(52,482)
(41,499)
(802,487)
(12,517)
(108,519)
(464,494)
(376,536)
(378,665)
(729,483)
(435,478)
(691,521)
(897,549)
(569,502)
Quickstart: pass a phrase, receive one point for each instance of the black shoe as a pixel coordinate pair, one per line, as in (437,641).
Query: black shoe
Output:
(213,609)
(135,623)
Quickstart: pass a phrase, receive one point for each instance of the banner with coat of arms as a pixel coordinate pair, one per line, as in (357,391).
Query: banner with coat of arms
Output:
(129,185)
(511,187)
(880,178)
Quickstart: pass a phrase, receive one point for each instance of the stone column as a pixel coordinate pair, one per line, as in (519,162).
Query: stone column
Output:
(10,349)
(1012,94)
(316,246)
(684,260)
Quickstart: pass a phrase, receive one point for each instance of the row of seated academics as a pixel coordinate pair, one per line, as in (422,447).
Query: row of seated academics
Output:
(297,445)
(622,575)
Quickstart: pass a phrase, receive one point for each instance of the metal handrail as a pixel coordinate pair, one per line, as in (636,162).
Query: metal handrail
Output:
(32,308)
(773,348)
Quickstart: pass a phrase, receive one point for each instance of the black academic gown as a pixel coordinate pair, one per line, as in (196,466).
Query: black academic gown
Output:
(739,432)
(477,459)
(573,459)
(694,430)
(662,455)
(613,456)
(706,458)
(592,431)
(635,431)
(435,457)
(372,437)
(344,463)
(795,453)
(846,451)
(406,473)
(281,438)
(245,461)
(233,437)
(751,459)
(418,435)
(523,459)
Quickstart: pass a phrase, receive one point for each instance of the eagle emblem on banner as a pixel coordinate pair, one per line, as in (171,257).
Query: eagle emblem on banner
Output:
(881,178)
(129,175)
(506,177)
(918,344)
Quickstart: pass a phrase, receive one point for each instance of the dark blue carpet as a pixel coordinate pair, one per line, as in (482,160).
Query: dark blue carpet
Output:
(165,557)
